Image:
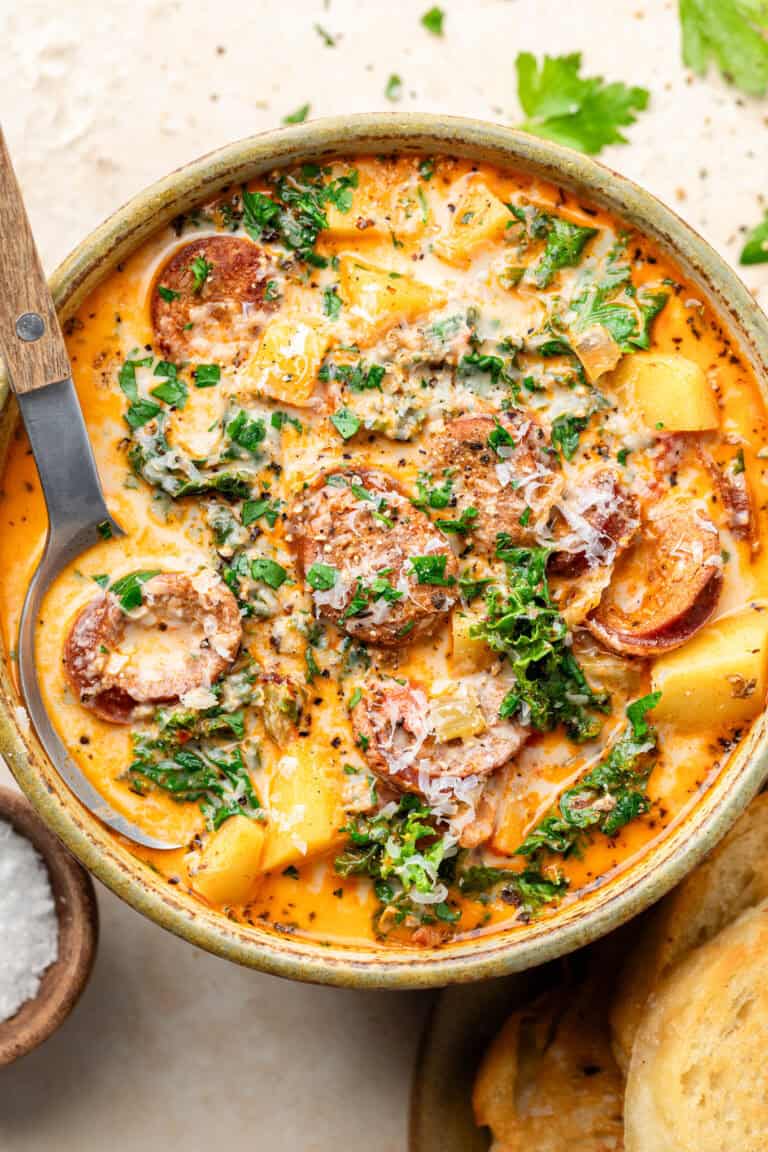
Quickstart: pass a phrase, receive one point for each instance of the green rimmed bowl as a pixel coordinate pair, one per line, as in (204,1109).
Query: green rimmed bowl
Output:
(621,897)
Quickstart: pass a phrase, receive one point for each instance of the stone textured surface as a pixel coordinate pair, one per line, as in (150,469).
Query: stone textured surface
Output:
(171,1047)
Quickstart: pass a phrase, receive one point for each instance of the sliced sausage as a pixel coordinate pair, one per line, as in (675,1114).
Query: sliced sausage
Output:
(504,469)
(665,587)
(599,519)
(734,491)
(395,727)
(179,641)
(212,302)
(360,525)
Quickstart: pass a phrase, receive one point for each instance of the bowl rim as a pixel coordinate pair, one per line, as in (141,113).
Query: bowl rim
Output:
(367,966)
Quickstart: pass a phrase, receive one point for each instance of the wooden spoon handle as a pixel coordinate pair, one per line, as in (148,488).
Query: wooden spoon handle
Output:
(31,343)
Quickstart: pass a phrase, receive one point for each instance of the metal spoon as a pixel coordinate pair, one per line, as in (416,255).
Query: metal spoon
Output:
(40,375)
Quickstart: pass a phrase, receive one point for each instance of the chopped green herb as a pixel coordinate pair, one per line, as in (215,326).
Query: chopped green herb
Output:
(312,669)
(431,495)
(431,570)
(269,572)
(433,20)
(755,250)
(207,375)
(345,423)
(359,377)
(566,430)
(201,269)
(732,34)
(325,36)
(173,392)
(104,529)
(167,294)
(394,88)
(354,699)
(128,589)
(331,302)
(253,510)
(322,577)
(426,169)
(102,580)
(462,525)
(299,116)
(248,433)
(583,113)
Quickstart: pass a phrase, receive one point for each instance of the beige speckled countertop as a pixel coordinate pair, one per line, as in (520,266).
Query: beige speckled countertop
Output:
(171,1048)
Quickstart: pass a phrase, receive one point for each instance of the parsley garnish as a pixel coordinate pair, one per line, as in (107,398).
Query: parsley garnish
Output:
(253,510)
(128,589)
(201,270)
(755,250)
(167,294)
(433,495)
(246,432)
(331,302)
(394,88)
(432,20)
(730,33)
(460,526)
(322,577)
(359,377)
(431,570)
(345,423)
(299,116)
(207,375)
(566,430)
(269,572)
(583,113)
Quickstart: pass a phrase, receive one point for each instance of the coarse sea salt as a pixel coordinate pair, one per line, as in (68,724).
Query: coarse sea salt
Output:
(29,928)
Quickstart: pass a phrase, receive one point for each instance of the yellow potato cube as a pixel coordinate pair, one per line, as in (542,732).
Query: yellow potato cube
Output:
(197,428)
(378,211)
(305,807)
(230,863)
(468,653)
(284,367)
(456,714)
(672,392)
(479,219)
(379,299)
(718,677)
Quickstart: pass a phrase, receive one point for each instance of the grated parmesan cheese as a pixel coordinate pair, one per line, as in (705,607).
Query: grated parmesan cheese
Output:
(29,928)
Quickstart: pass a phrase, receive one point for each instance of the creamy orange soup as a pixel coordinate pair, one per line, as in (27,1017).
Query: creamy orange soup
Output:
(442,594)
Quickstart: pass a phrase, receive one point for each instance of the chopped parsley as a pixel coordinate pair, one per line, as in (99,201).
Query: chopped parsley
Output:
(358,377)
(269,572)
(462,525)
(755,250)
(167,294)
(431,570)
(299,116)
(201,270)
(566,430)
(332,302)
(207,375)
(730,33)
(431,495)
(394,88)
(128,588)
(248,433)
(345,423)
(254,510)
(433,20)
(322,577)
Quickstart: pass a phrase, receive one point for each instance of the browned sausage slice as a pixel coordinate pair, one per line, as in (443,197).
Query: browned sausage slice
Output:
(395,725)
(364,533)
(502,468)
(600,519)
(208,299)
(178,642)
(664,588)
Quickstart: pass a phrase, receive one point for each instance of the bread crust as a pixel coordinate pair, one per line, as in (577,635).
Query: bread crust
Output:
(697,1075)
(732,879)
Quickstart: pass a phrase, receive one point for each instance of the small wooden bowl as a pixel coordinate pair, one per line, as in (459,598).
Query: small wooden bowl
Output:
(75,900)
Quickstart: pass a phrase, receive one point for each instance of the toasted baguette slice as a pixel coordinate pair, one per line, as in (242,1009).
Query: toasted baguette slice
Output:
(697,1075)
(548,1082)
(733,877)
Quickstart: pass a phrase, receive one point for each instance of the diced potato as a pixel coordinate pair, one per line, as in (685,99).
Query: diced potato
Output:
(305,806)
(468,653)
(230,863)
(671,392)
(719,677)
(197,428)
(480,218)
(456,714)
(284,367)
(383,203)
(379,299)
(598,351)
